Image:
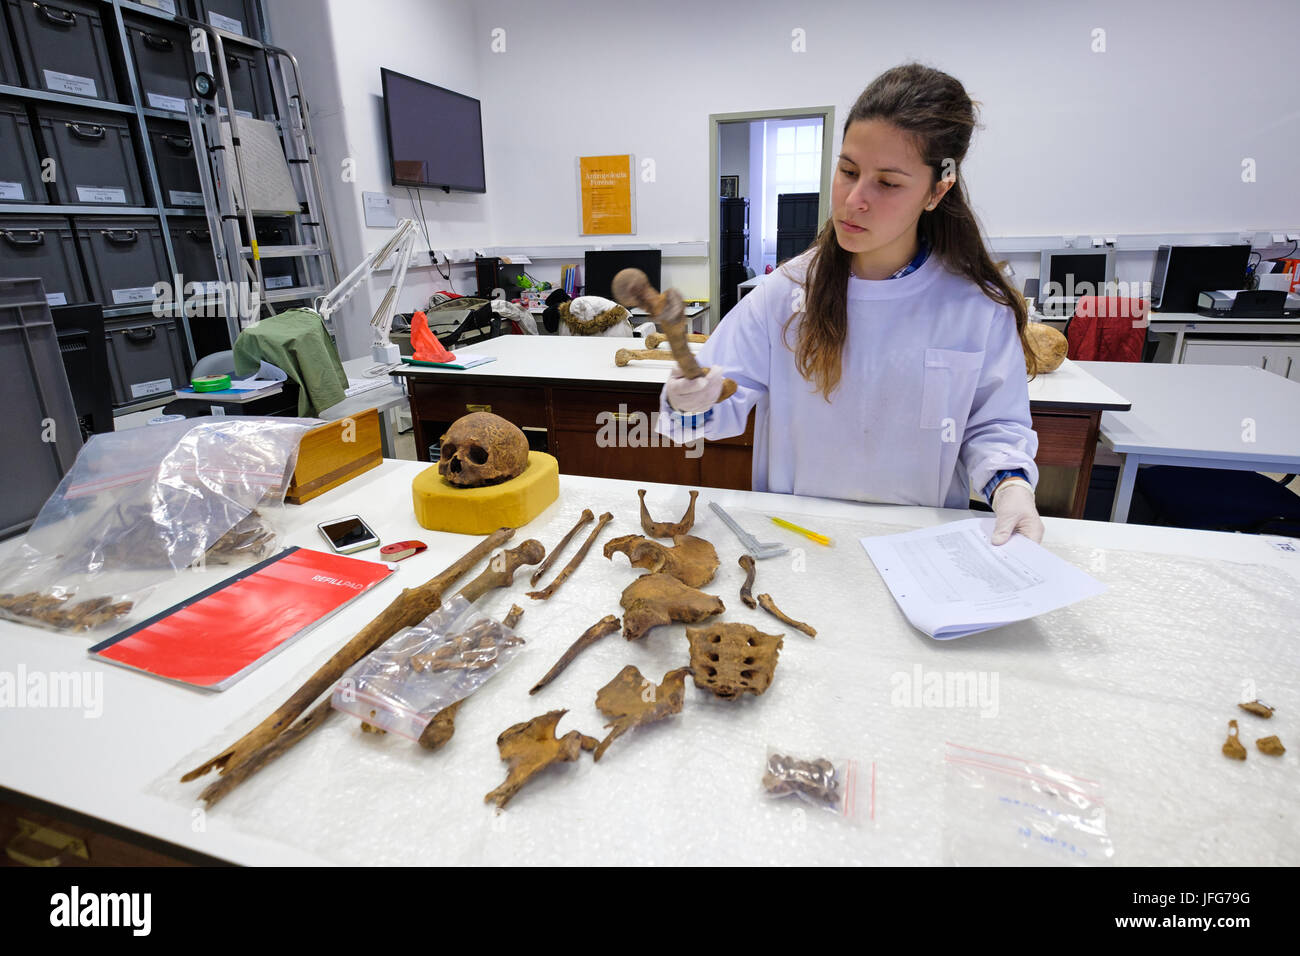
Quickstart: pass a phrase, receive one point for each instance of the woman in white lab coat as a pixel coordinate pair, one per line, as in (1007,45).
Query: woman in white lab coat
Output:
(885,362)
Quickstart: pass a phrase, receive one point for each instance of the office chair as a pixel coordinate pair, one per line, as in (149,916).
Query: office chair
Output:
(1107,329)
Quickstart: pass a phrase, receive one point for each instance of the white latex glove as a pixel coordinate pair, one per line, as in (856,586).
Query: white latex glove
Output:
(693,396)
(1013,504)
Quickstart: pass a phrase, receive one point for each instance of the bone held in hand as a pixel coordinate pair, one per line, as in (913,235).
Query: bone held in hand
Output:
(631,289)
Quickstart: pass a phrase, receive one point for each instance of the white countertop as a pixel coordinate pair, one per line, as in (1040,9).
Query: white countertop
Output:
(590,359)
(1230,412)
(1132,688)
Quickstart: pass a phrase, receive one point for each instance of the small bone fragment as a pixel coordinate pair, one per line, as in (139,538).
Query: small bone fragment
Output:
(1232,746)
(667,529)
(440,729)
(606,625)
(626,700)
(746,589)
(586,518)
(1271,746)
(532,746)
(1258,708)
(770,607)
(576,560)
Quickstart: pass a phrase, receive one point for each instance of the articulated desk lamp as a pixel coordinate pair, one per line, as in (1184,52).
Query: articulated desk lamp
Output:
(401,243)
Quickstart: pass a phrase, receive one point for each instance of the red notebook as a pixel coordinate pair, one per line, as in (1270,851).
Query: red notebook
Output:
(214,638)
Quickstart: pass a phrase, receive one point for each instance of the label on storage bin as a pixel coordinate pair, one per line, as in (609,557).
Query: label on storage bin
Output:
(12,191)
(244,113)
(141,389)
(179,197)
(229,24)
(143,293)
(167,5)
(100,194)
(69,83)
(279,282)
(56,298)
(160,102)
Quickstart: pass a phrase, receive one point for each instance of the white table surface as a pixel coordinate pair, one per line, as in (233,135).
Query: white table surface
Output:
(1201,411)
(1073,386)
(1136,704)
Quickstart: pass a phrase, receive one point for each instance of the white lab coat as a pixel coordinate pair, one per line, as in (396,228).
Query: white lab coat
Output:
(933,397)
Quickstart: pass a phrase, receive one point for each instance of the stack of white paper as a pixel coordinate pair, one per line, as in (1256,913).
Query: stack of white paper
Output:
(950,581)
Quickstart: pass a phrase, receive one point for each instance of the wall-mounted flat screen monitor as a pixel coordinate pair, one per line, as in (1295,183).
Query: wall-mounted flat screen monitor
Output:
(435,136)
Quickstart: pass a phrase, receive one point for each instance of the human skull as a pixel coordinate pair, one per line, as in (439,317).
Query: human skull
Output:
(482,449)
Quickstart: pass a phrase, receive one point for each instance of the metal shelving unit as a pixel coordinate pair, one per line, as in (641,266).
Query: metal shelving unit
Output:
(236,260)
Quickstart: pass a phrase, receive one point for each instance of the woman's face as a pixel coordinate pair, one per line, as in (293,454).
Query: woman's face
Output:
(880,188)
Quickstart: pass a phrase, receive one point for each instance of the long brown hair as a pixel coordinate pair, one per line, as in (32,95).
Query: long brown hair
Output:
(934,109)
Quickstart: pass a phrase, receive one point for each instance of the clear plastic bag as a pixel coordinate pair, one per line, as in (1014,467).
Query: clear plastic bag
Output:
(820,782)
(420,670)
(1007,811)
(140,505)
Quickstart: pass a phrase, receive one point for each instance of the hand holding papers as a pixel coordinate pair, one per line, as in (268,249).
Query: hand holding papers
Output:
(950,581)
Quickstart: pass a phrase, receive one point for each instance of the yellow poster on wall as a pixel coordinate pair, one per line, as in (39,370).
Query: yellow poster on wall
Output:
(605,187)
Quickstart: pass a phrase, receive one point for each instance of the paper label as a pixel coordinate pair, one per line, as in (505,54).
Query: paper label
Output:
(244,113)
(141,389)
(143,293)
(279,282)
(99,194)
(168,6)
(56,298)
(217,409)
(12,191)
(160,102)
(229,24)
(179,197)
(68,83)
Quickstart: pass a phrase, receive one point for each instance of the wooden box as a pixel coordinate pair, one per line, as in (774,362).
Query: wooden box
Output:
(334,453)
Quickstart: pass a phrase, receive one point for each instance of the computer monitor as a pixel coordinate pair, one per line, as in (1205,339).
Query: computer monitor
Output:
(1066,274)
(1182,273)
(599,268)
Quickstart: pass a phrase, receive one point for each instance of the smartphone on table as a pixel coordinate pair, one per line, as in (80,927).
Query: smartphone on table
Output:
(348,535)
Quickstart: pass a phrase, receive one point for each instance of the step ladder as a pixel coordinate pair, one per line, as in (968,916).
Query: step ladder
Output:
(244,294)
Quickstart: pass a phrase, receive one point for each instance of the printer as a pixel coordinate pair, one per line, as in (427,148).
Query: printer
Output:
(1248,304)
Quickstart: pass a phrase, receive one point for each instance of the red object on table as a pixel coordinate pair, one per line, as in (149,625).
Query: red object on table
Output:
(425,344)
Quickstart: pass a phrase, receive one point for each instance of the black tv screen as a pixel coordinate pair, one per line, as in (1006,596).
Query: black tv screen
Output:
(435,136)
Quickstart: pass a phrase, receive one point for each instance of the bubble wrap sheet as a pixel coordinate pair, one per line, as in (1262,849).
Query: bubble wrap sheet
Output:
(1133,688)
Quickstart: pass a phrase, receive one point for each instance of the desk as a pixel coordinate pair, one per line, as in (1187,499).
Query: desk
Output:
(1208,416)
(1132,688)
(560,386)
(1271,344)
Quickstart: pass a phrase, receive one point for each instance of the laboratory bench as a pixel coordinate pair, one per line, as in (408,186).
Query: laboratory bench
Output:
(1131,689)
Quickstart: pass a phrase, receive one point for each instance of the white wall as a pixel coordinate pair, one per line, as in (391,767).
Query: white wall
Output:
(1148,136)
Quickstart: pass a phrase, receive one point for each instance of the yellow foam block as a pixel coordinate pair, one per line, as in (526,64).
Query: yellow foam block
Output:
(441,506)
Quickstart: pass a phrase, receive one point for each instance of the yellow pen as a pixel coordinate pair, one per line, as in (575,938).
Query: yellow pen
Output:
(813,535)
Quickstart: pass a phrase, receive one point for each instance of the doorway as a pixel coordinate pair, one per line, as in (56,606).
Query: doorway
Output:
(769,184)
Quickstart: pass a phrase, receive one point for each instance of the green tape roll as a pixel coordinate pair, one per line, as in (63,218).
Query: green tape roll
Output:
(210,383)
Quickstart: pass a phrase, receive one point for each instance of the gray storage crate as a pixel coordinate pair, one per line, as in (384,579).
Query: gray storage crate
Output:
(39,430)
(233,16)
(161,52)
(145,358)
(20,170)
(43,246)
(192,243)
(124,257)
(94,163)
(249,86)
(63,47)
(9,74)
(178,170)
